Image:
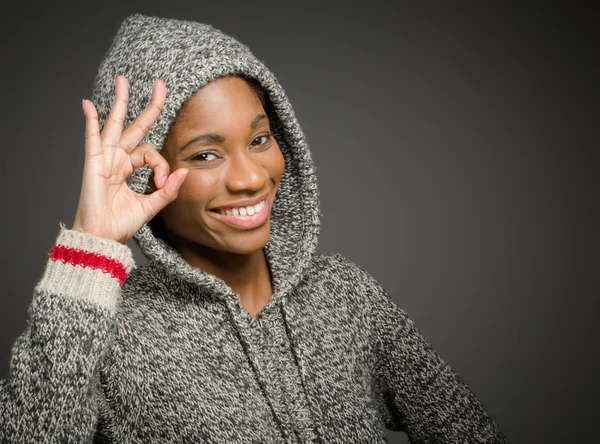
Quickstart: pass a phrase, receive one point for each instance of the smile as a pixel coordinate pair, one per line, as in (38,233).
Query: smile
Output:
(251,216)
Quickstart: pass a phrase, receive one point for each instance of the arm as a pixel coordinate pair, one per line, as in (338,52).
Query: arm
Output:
(51,394)
(420,393)
(425,396)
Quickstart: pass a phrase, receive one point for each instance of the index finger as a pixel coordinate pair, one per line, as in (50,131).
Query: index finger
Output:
(114,121)
(135,132)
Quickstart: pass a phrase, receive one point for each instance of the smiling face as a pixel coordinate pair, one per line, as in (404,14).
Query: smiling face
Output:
(223,136)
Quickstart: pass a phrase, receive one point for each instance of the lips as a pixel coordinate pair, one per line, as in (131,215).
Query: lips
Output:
(244,222)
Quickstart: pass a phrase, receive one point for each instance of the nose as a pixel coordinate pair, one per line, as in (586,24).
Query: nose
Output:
(246,173)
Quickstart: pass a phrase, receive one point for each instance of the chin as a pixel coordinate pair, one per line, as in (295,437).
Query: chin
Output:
(243,241)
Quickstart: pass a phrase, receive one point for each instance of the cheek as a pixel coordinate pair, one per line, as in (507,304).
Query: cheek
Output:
(276,163)
(199,187)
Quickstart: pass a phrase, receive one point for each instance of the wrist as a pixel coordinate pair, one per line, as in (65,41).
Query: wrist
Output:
(80,229)
(87,267)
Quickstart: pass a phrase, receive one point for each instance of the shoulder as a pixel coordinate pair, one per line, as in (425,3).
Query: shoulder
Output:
(340,275)
(337,267)
(147,286)
(358,280)
(150,276)
(346,292)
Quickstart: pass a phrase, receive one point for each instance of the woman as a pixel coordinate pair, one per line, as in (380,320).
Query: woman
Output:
(235,330)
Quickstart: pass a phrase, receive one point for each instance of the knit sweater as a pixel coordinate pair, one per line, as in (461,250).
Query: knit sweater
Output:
(164,352)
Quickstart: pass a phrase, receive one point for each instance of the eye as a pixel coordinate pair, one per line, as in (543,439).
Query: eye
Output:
(201,156)
(266,138)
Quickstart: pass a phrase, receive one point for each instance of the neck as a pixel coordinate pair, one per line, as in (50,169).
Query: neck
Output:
(247,274)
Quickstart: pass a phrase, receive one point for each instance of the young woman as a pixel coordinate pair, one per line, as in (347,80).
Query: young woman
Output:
(235,330)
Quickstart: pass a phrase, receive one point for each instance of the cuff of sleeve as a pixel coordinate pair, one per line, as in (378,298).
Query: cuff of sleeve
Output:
(87,267)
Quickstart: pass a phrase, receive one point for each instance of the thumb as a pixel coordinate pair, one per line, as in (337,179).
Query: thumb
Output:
(153,203)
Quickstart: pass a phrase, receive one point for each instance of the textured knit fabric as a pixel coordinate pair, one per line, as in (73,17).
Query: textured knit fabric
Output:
(165,353)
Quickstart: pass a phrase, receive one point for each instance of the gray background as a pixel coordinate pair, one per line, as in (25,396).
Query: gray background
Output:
(456,150)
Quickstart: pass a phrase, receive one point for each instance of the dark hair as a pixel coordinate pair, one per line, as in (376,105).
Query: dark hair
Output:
(258,89)
(156,224)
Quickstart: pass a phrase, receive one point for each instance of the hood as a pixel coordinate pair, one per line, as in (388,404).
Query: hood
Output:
(186,55)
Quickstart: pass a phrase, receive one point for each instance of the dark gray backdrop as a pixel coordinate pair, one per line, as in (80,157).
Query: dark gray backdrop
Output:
(456,147)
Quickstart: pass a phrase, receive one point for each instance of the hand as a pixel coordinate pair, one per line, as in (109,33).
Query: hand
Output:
(108,208)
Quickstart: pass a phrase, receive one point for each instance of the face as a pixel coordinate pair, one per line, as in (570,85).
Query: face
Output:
(224,138)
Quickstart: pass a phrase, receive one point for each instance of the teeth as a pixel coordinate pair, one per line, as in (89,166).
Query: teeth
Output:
(243,211)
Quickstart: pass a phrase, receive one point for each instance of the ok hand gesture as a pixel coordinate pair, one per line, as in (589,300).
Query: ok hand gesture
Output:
(108,208)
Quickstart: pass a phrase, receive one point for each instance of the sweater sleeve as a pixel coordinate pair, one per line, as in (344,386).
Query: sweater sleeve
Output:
(420,393)
(52,392)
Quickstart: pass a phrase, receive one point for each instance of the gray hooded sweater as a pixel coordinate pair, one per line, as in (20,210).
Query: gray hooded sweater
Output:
(165,353)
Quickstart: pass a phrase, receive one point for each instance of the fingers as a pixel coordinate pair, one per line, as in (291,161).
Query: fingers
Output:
(147,154)
(136,131)
(93,143)
(156,201)
(113,126)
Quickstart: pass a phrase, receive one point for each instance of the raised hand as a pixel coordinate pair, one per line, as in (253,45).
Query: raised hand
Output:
(108,208)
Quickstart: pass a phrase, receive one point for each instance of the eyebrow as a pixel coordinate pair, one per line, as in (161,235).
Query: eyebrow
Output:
(217,138)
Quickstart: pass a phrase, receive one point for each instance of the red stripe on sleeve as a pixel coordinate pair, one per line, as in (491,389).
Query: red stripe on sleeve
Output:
(89,259)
